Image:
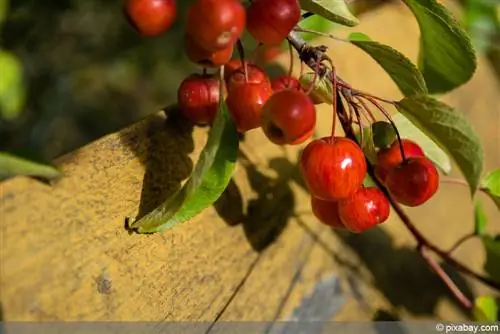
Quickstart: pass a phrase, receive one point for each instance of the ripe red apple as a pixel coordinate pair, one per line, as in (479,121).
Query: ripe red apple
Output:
(206,58)
(270,22)
(288,117)
(364,209)
(245,102)
(414,181)
(333,168)
(151,17)
(285,82)
(327,212)
(388,158)
(198,98)
(215,24)
(237,75)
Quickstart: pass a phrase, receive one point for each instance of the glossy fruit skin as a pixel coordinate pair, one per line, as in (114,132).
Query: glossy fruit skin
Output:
(327,212)
(389,158)
(285,82)
(270,22)
(151,17)
(206,58)
(414,181)
(333,169)
(198,98)
(215,24)
(364,209)
(288,117)
(245,104)
(236,75)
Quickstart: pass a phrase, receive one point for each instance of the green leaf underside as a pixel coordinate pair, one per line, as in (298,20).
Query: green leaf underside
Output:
(492,264)
(11,165)
(383,134)
(208,181)
(485,309)
(450,131)
(480,220)
(12,90)
(333,10)
(408,130)
(404,73)
(491,186)
(447,59)
(322,90)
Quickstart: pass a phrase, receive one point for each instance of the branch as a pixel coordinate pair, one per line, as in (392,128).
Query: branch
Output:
(310,56)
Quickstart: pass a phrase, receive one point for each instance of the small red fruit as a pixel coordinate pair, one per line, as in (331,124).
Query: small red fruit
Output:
(414,181)
(288,117)
(237,76)
(206,58)
(285,82)
(198,98)
(216,24)
(364,209)
(389,158)
(270,22)
(327,212)
(333,168)
(151,17)
(245,102)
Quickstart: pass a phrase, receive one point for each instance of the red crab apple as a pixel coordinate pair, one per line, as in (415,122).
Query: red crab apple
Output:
(285,82)
(288,117)
(333,168)
(236,75)
(414,181)
(327,212)
(364,209)
(198,98)
(389,158)
(215,24)
(245,102)
(150,17)
(206,58)
(270,22)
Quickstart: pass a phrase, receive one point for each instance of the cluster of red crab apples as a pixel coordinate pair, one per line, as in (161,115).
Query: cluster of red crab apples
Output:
(333,168)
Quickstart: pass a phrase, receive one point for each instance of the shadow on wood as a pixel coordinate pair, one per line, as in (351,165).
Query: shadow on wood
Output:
(163,148)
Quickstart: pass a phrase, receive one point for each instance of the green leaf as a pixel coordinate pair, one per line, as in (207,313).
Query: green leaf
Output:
(12,91)
(432,150)
(491,186)
(492,264)
(333,10)
(450,130)
(315,23)
(404,73)
(480,220)
(486,309)
(447,58)
(4,7)
(11,165)
(383,134)
(208,181)
(322,90)
(367,144)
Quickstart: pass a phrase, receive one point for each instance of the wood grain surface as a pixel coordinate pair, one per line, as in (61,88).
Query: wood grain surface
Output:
(65,254)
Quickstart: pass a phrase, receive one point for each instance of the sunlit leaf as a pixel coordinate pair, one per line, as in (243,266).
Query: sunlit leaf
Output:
(486,308)
(208,181)
(12,90)
(480,220)
(333,10)
(450,131)
(383,134)
(315,23)
(492,248)
(11,165)
(491,186)
(404,73)
(322,89)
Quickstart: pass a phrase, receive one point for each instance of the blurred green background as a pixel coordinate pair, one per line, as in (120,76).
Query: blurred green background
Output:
(74,70)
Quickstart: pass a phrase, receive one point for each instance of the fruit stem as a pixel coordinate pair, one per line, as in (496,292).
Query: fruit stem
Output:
(241,52)
(334,93)
(460,241)
(445,277)
(319,33)
(365,108)
(290,53)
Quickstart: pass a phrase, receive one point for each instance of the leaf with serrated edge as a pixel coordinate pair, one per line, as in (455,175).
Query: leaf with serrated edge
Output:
(447,58)
(404,73)
(208,181)
(485,309)
(431,149)
(492,248)
(11,165)
(480,220)
(450,130)
(333,10)
(322,90)
(491,186)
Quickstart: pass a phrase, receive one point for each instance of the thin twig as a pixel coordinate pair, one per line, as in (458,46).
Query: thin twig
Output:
(319,33)
(460,241)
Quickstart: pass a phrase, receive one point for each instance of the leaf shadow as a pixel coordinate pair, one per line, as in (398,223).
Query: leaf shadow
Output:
(162,145)
(265,217)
